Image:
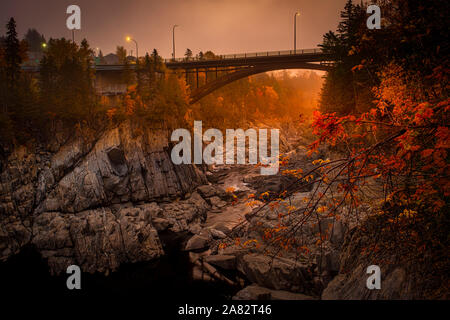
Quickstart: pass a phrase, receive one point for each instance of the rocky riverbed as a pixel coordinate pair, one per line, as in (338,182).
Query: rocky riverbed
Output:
(116,205)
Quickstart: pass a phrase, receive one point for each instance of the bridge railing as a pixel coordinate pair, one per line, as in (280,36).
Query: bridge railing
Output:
(248,55)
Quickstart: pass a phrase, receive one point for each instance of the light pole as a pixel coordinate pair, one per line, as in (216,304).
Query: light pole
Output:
(295,31)
(173,41)
(137,51)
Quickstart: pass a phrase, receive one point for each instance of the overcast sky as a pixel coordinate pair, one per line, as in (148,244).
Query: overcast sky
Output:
(223,26)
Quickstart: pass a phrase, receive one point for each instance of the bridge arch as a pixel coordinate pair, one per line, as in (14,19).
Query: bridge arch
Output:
(222,81)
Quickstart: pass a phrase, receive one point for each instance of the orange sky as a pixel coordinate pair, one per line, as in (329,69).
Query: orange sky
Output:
(223,26)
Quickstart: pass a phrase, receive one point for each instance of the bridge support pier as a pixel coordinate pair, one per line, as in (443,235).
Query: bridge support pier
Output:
(196,70)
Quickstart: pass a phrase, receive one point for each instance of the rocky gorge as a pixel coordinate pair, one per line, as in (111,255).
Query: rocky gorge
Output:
(115,198)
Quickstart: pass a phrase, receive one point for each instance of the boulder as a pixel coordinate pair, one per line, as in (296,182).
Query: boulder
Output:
(276,273)
(227,262)
(217,202)
(217,234)
(196,242)
(207,191)
(161,224)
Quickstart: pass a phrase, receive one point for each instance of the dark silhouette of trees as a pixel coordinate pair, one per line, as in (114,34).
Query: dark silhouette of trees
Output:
(340,91)
(17,90)
(66,84)
(157,60)
(188,54)
(121,53)
(101,58)
(13,57)
(34,40)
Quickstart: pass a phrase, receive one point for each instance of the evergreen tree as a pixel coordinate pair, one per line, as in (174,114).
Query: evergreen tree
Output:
(157,61)
(101,58)
(66,86)
(34,40)
(188,54)
(12,55)
(121,53)
(342,90)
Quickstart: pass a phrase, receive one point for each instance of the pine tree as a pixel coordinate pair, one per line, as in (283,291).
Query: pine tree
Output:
(121,53)
(34,40)
(101,58)
(341,90)
(156,60)
(188,54)
(12,55)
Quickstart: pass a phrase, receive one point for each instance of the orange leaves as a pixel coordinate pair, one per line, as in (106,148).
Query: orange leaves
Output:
(423,113)
(426,153)
(400,143)
(230,190)
(253,203)
(443,137)
(358,67)
(264,195)
(321,209)
(284,160)
(297,173)
(111,113)
(328,127)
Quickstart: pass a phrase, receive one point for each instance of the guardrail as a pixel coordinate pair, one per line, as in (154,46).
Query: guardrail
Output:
(248,55)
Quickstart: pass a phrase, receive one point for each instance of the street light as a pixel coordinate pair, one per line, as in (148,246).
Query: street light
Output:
(137,52)
(295,31)
(44,45)
(173,41)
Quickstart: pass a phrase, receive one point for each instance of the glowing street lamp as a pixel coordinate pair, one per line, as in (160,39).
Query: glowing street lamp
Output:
(137,52)
(44,45)
(295,31)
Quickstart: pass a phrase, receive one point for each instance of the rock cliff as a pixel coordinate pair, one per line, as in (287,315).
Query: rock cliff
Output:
(97,202)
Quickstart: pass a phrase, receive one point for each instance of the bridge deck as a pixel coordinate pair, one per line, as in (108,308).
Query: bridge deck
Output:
(246,59)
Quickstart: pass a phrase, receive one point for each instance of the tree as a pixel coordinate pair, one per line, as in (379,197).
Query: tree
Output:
(157,61)
(345,87)
(147,61)
(34,40)
(209,55)
(188,54)
(101,58)
(66,86)
(13,57)
(121,53)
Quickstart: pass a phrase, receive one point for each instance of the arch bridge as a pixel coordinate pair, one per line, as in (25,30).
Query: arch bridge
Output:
(221,70)
(218,70)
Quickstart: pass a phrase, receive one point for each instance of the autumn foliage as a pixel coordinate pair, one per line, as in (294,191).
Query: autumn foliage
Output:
(386,169)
